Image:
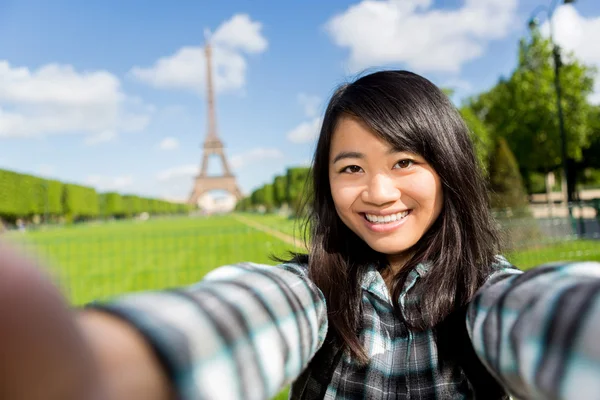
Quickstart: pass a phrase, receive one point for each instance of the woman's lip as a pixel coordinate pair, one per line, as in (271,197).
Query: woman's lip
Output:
(384,228)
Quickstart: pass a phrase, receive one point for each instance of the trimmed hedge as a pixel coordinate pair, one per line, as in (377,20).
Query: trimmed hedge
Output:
(292,189)
(25,196)
(80,202)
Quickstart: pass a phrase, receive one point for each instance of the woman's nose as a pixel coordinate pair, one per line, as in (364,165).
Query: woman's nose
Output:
(381,190)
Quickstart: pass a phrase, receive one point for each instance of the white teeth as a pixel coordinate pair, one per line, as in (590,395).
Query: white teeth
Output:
(378,219)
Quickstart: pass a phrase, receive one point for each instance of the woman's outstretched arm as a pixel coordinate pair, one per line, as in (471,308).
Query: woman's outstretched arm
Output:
(538,332)
(243,332)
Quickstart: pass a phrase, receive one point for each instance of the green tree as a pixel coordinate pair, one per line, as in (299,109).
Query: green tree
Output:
(591,155)
(9,208)
(269,197)
(298,188)
(244,204)
(53,197)
(480,135)
(523,108)
(279,190)
(113,205)
(505,181)
(80,202)
(509,199)
(258,197)
(132,205)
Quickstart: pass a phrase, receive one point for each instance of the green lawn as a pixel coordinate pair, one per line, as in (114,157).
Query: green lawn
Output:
(568,250)
(289,226)
(102,260)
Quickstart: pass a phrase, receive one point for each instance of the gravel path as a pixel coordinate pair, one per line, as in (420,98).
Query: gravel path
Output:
(297,242)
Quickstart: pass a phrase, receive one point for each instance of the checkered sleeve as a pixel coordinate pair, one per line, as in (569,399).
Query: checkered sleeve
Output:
(537,331)
(243,332)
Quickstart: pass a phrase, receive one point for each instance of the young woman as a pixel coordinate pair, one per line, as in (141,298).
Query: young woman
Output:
(402,296)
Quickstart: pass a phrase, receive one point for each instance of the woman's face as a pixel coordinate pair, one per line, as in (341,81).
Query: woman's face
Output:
(388,198)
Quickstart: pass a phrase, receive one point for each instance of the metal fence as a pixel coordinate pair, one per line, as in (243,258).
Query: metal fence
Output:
(543,236)
(103,259)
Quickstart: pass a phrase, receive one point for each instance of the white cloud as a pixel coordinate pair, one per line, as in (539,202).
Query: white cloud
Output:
(378,32)
(178,172)
(186,68)
(240,32)
(175,183)
(306,132)
(255,156)
(188,171)
(102,137)
(46,170)
(595,97)
(577,34)
(106,183)
(310,103)
(169,143)
(458,84)
(57,99)
(173,197)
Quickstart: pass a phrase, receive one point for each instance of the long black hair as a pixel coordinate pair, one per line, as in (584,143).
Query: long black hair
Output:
(411,114)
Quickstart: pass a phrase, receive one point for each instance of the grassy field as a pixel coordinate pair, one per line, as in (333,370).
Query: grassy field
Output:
(289,226)
(573,250)
(102,260)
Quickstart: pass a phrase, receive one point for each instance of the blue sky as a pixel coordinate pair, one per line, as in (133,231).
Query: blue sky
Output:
(111,94)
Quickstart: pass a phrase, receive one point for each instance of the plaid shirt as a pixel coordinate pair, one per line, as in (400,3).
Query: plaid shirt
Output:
(247,330)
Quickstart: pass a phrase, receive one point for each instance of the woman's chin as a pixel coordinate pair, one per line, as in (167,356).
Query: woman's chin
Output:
(389,249)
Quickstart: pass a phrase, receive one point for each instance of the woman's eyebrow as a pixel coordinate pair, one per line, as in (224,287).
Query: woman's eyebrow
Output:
(347,154)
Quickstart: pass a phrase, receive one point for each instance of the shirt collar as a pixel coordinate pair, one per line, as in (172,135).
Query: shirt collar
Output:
(373,283)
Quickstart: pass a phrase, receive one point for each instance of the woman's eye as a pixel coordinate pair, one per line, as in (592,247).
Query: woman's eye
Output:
(352,169)
(403,164)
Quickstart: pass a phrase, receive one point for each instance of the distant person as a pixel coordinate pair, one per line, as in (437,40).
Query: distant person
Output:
(402,295)
(20,225)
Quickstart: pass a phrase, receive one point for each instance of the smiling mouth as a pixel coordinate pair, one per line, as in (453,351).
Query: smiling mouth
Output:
(380,219)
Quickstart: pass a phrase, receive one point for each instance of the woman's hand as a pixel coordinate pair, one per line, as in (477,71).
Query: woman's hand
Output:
(50,352)
(126,365)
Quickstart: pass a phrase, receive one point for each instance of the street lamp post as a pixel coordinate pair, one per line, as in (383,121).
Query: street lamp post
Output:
(533,22)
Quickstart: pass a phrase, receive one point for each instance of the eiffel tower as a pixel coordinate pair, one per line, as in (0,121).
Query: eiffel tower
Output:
(213,146)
